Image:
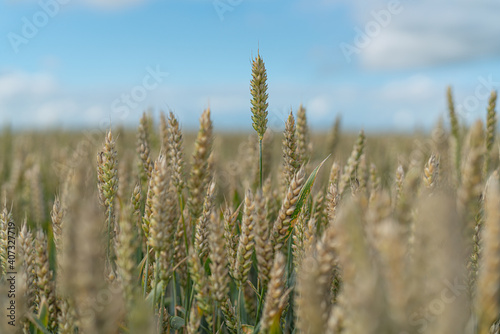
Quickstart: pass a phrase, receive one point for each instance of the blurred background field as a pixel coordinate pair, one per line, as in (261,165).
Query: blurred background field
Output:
(234,152)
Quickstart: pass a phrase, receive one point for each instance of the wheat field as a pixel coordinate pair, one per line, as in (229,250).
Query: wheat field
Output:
(158,231)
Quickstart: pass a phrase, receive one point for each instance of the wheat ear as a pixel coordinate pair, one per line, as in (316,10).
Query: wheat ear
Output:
(200,169)
(282,225)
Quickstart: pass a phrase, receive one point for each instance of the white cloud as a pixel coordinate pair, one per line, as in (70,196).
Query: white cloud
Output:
(430,32)
(38,100)
(52,112)
(319,106)
(112,4)
(411,89)
(13,84)
(97,4)
(404,120)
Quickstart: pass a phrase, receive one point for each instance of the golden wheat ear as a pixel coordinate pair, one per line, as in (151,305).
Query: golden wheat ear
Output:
(304,147)
(258,89)
(143,147)
(200,168)
(246,241)
(491,127)
(487,301)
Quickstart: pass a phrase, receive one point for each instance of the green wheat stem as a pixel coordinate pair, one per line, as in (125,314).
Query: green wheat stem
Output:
(288,312)
(261,301)
(160,318)
(214,318)
(260,161)
(174,293)
(108,246)
(146,271)
(181,205)
(157,258)
(239,309)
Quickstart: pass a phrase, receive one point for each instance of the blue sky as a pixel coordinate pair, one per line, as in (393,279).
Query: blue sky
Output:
(384,65)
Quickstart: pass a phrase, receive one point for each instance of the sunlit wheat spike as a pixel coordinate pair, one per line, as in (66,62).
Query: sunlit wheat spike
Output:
(472,176)
(263,246)
(143,146)
(176,155)
(302,133)
(319,214)
(164,136)
(135,202)
(231,237)
(107,178)
(180,252)
(164,216)
(229,316)
(290,160)
(491,125)
(5,221)
(333,199)
(400,176)
(334,136)
(57,215)
(44,278)
(334,174)
(276,294)
(25,244)
(282,223)
(200,169)
(487,302)
(202,232)
(66,319)
(126,253)
(258,89)
(200,284)
(158,239)
(451,112)
(352,163)
(408,194)
(219,278)
(455,140)
(362,175)
(83,269)
(298,236)
(246,241)
(431,171)
(374,178)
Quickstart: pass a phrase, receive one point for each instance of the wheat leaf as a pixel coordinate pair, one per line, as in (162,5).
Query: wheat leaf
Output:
(304,193)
